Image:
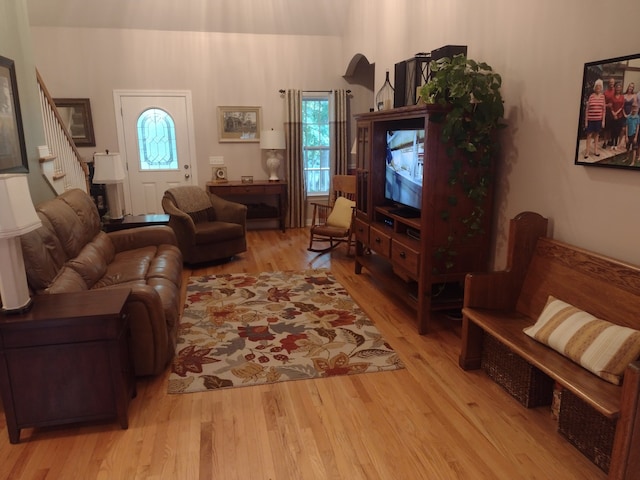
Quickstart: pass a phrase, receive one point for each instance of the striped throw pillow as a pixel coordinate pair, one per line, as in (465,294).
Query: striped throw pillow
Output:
(599,346)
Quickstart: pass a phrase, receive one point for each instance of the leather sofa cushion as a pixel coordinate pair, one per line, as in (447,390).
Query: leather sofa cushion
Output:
(69,222)
(91,262)
(68,280)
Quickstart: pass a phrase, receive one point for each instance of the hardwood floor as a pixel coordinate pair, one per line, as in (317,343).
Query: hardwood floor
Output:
(429,421)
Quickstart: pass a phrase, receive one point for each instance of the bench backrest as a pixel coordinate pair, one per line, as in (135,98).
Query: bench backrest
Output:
(602,286)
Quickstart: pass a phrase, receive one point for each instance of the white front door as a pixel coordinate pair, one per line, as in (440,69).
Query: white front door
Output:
(156,141)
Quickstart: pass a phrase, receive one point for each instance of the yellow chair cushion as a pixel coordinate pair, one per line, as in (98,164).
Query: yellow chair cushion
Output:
(341,214)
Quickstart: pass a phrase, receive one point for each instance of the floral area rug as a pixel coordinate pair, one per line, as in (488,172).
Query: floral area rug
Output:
(249,329)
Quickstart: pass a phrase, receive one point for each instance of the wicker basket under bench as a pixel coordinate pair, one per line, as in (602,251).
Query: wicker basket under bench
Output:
(501,304)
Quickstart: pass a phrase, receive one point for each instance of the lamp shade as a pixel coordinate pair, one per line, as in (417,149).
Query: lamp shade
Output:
(17,215)
(108,168)
(272,140)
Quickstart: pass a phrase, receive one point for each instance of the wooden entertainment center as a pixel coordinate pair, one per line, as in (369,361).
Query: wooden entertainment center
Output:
(423,259)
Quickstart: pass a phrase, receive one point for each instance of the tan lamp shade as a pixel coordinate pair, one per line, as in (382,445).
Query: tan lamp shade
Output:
(108,168)
(272,140)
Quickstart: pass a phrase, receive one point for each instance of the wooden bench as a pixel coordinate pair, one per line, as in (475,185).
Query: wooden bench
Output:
(503,303)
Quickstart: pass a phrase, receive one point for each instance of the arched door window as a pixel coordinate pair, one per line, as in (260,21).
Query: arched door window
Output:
(157,140)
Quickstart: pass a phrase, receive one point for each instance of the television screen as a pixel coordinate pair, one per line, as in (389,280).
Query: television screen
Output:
(403,172)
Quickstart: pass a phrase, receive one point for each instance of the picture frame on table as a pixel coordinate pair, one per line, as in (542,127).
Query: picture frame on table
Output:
(239,124)
(13,153)
(602,139)
(75,114)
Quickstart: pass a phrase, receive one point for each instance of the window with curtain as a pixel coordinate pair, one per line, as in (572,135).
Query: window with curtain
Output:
(157,140)
(316,143)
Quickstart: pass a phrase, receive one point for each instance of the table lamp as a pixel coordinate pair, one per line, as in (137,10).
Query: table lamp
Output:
(17,217)
(272,141)
(108,170)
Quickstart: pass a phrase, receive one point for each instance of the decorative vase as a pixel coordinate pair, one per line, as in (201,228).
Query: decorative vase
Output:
(384,97)
(273,164)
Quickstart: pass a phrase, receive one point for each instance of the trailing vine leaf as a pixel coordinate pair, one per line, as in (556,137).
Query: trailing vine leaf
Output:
(471,91)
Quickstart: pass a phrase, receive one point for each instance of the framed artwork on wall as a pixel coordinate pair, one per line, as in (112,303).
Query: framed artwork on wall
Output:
(13,153)
(608,129)
(76,116)
(239,124)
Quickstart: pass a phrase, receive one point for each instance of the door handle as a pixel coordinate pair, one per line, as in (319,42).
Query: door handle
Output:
(186,175)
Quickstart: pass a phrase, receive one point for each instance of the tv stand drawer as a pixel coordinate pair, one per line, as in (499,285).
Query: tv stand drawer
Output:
(405,257)
(380,242)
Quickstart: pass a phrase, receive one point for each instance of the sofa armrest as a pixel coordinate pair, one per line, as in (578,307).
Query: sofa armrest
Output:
(140,237)
(228,211)
(149,331)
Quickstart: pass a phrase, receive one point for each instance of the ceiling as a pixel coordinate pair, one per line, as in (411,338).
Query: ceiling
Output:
(287,17)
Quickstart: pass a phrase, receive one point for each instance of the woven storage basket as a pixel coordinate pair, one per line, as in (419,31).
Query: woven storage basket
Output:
(587,429)
(523,381)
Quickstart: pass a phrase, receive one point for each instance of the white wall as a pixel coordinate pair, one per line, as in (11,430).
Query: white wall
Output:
(15,44)
(540,49)
(219,69)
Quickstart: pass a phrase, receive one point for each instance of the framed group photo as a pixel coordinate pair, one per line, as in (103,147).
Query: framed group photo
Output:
(239,124)
(609,121)
(13,154)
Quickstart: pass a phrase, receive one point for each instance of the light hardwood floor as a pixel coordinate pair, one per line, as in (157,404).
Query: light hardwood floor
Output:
(429,421)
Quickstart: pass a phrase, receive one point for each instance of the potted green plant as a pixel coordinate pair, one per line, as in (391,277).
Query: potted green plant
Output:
(471,93)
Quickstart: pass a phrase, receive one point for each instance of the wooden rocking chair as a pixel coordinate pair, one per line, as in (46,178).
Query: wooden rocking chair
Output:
(332,224)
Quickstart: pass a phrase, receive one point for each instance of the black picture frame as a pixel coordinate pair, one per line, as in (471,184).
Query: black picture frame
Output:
(13,153)
(75,114)
(604,143)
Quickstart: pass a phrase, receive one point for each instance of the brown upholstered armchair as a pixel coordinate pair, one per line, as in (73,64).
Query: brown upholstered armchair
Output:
(207,227)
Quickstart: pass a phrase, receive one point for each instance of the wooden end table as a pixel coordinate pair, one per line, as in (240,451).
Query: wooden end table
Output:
(133,221)
(66,360)
(259,189)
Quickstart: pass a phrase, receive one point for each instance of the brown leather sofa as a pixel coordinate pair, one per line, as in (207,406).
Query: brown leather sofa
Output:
(70,253)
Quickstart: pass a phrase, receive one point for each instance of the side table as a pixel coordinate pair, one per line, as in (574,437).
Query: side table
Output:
(133,221)
(66,360)
(259,189)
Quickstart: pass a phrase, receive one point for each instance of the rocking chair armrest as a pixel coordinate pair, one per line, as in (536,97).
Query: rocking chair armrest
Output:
(320,212)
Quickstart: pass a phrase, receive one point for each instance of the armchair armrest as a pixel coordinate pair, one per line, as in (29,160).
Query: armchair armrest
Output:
(229,211)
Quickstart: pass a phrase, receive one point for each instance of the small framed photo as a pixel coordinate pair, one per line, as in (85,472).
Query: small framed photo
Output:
(219,174)
(239,124)
(246,179)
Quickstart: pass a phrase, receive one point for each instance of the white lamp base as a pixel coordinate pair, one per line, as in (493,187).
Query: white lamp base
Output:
(114,201)
(14,290)
(273,164)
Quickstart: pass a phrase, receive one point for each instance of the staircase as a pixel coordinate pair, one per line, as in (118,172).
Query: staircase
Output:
(64,168)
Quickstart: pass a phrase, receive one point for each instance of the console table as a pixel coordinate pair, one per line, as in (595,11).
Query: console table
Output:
(66,360)
(261,188)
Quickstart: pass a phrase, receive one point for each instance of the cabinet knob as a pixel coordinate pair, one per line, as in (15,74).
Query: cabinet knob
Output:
(377,239)
(403,255)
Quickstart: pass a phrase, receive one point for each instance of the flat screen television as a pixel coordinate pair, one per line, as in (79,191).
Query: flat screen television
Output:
(403,172)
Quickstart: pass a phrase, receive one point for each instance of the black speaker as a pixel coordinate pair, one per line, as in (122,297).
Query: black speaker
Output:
(399,79)
(448,51)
